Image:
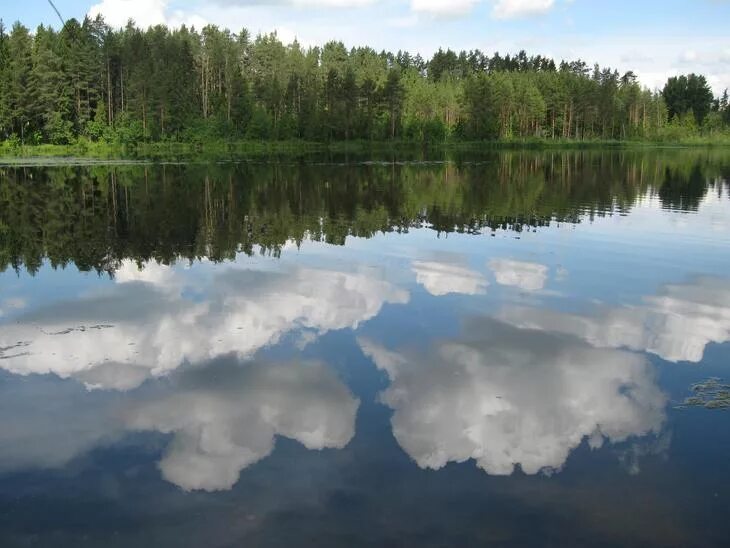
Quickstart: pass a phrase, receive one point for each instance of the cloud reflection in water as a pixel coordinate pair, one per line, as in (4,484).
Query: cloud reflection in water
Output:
(441,278)
(151,321)
(225,418)
(505,397)
(676,325)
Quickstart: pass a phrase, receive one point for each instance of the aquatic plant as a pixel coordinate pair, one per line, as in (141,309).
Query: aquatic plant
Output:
(710,394)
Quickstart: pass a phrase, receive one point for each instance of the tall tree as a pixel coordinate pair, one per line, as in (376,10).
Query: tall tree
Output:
(19,98)
(685,93)
(392,94)
(5,80)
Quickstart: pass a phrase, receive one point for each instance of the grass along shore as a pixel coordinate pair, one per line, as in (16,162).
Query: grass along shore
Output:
(165,149)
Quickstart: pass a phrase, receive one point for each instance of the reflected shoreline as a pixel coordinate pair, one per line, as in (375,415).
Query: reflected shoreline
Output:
(96,217)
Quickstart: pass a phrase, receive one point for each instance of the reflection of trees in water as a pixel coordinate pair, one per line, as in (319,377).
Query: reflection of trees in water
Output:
(683,191)
(97,216)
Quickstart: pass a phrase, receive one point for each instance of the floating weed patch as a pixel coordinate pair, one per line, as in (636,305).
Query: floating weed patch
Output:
(710,394)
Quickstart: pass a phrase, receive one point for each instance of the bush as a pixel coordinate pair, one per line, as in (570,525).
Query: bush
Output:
(58,130)
(96,131)
(259,127)
(128,131)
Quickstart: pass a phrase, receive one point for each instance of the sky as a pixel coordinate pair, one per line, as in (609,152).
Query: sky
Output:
(654,38)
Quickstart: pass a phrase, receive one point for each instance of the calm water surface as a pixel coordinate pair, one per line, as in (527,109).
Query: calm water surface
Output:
(479,351)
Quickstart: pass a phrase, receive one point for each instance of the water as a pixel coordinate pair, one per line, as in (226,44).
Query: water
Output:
(488,350)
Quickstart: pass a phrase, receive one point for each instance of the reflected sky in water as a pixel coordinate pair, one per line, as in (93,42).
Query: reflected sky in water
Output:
(423,354)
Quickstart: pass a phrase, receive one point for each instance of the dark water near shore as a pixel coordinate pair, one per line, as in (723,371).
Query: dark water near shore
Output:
(489,350)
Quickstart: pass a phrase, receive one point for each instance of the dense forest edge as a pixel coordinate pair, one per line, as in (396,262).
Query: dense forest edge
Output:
(89,89)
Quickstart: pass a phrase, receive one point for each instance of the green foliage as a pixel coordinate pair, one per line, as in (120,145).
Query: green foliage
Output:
(682,125)
(4,83)
(96,130)
(724,108)
(127,130)
(58,130)
(132,86)
(425,131)
(685,93)
(259,127)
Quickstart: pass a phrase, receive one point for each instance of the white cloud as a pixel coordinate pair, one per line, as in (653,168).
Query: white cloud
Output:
(154,321)
(227,417)
(688,56)
(404,22)
(441,278)
(676,325)
(303,4)
(512,9)
(145,13)
(502,9)
(660,57)
(523,275)
(443,7)
(505,397)
(152,12)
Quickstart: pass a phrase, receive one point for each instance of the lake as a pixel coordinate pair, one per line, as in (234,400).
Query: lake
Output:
(506,348)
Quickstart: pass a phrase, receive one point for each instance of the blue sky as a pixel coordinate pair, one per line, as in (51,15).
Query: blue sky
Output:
(654,38)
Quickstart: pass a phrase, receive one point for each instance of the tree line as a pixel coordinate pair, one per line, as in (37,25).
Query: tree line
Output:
(90,81)
(95,217)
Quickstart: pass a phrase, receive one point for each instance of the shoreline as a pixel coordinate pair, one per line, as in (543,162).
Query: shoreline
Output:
(166,149)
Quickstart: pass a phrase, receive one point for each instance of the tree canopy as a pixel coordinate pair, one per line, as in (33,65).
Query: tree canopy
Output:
(685,94)
(130,85)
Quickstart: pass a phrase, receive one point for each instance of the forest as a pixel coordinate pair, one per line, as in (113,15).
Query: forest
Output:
(91,83)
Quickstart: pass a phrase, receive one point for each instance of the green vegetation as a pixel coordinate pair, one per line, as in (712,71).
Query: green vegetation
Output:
(96,215)
(710,394)
(102,92)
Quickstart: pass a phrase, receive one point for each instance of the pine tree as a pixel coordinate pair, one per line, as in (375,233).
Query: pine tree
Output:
(725,107)
(19,97)
(5,122)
